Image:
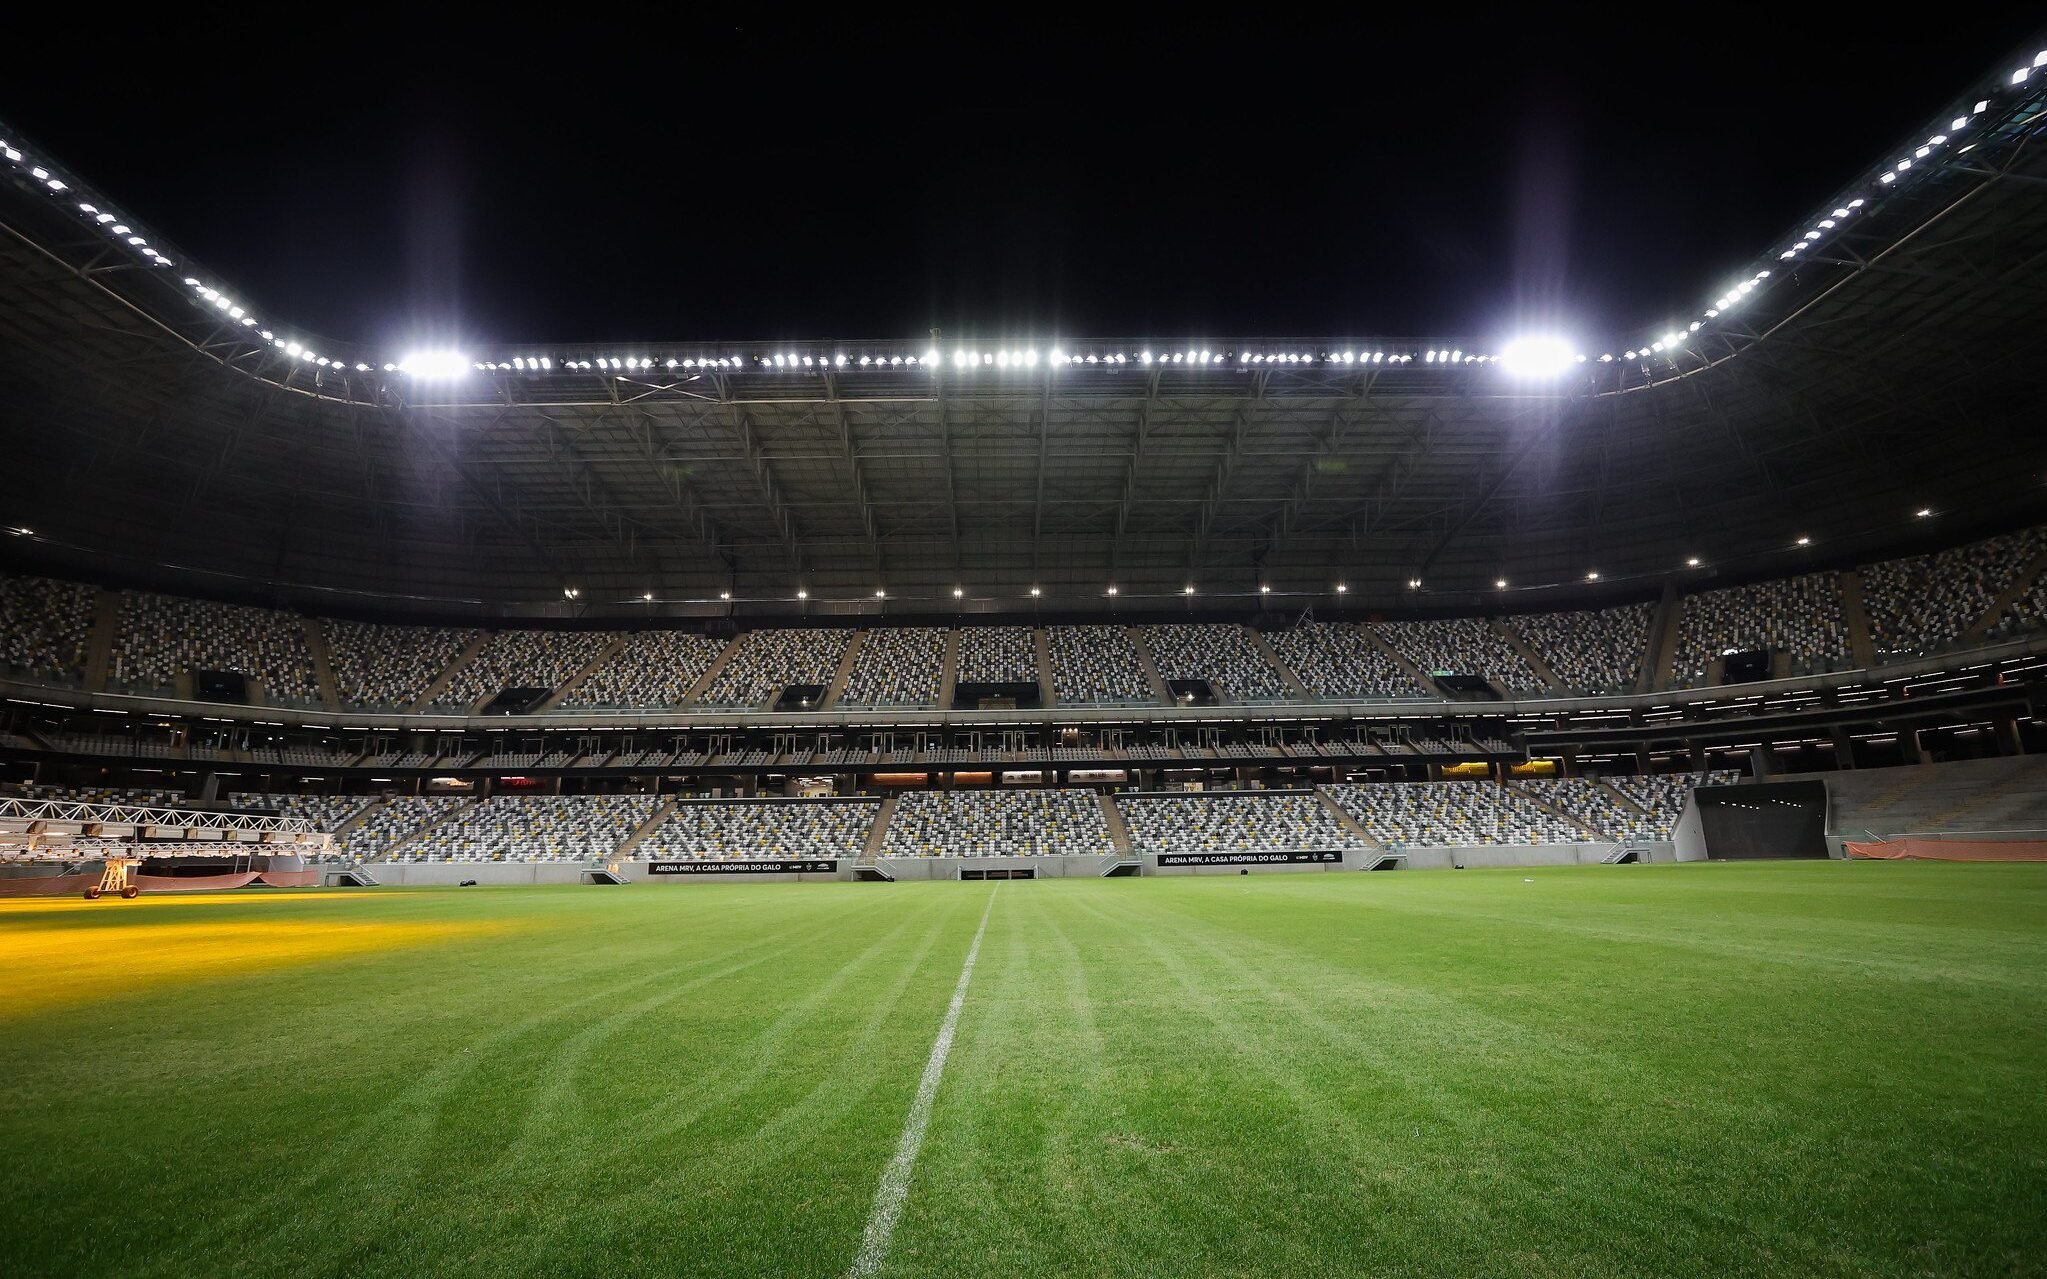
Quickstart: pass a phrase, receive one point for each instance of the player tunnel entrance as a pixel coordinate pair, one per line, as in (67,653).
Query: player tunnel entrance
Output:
(1769,820)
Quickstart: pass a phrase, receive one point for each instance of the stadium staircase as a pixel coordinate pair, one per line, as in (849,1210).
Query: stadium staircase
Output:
(99,650)
(868,869)
(624,851)
(1345,820)
(323,663)
(1622,801)
(1150,665)
(1294,687)
(1860,646)
(1664,627)
(589,668)
(844,674)
(1119,830)
(441,681)
(1592,835)
(418,833)
(1528,654)
(948,667)
(1393,655)
(2011,595)
(712,671)
(1041,644)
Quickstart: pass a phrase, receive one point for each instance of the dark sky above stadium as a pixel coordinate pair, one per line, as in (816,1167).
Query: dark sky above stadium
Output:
(1199,173)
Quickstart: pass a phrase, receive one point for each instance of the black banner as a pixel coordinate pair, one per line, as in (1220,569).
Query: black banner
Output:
(707,866)
(1247,857)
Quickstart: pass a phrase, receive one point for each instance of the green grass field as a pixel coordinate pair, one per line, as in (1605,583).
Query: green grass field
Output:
(1804,1069)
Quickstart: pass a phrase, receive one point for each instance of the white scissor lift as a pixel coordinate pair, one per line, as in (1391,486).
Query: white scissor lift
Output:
(121,836)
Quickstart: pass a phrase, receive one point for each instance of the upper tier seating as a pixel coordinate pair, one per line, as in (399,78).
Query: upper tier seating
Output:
(652,668)
(141,797)
(1094,665)
(164,636)
(1451,814)
(1336,660)
(981,823)
(897,666)
(754,829)
(997,655)
(1590,652)
(1922,604)
(535,828)
(1223,655)
(395,820)
(1461,646)
(1233,821)
(1801,616)
(1662,796)
(387,667)
(522,659)
(45,627)
(768,661)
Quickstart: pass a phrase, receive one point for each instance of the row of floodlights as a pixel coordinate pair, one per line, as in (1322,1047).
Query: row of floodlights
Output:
(1543,357)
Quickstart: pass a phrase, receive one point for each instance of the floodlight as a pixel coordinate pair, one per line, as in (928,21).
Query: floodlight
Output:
(435,365)
(1537,357)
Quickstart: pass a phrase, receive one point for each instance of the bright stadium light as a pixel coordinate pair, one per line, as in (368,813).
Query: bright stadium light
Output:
(436,365)
(1537,357)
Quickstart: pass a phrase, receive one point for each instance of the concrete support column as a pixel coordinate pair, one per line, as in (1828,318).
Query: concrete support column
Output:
(1844,749)
(2008,740)
(1698,754)
(1919,752)
(1760,763)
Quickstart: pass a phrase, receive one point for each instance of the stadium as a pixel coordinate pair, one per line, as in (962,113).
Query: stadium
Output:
(1037,804)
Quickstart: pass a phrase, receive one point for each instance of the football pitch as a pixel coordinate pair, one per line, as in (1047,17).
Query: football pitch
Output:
(1797,1069)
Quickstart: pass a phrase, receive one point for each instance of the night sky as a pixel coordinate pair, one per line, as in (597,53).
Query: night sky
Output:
(1250,172)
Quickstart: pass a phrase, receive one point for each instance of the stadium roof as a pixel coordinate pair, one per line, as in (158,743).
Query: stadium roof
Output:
(1883,359)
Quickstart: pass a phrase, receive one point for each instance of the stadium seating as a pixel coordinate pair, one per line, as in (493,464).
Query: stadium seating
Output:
(1451,814)
(1233,821)
(397,819)
(522,659)
(1591,805)
(982,823)
(1225,656)
(148,797)
(1461,646)
(771,828)
(327,813)
(534,828)
(164,636)
(1801,616)
(1097,665)
(768,661)
(2006,794)
(1590,652)
(1336,661)
(1922,604)
(997,655)
(387,667)
(897,666)
(45,626)
(1662,796)
(652,668)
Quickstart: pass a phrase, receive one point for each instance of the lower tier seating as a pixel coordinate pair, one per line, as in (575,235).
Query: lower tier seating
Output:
(768,828)
(1018,823)
(1233,821)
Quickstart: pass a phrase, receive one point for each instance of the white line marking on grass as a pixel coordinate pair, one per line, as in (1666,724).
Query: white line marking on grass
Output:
(895,1179)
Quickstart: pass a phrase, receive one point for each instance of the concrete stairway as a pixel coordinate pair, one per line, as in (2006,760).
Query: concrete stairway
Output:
(1294,687)
(1392,655)
(1119,830)
(624,851)
(1664,627)
(1345,820)
(1041,641)
(877,834)
(2006,598)
(1514,641)
(99,649)
(1859,645)
(1569,819)
(413,838)
(844,673)
(575,681)
(948,667)
(1149,663)
(323,663)
(712,672)
(441,681)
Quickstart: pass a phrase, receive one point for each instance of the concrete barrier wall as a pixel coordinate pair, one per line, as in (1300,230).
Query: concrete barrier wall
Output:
(1056,866)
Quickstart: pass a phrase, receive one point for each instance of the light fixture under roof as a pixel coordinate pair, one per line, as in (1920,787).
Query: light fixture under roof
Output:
(435,366)
(1538,357)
